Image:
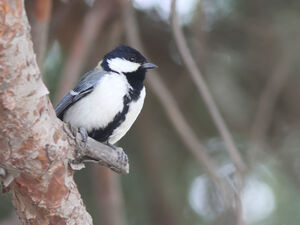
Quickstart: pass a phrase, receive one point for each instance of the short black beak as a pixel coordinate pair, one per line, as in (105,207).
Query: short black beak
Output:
(148,65)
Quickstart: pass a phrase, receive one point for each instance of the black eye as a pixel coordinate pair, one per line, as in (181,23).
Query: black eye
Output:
(132,59)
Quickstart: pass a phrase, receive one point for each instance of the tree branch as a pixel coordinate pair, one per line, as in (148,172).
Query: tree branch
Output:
(94,151)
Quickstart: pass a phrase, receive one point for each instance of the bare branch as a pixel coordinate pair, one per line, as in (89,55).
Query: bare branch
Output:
(204,91)
(94,151)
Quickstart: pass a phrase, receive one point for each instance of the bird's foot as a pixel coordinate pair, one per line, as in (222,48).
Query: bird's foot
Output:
(73,132)
(81,136)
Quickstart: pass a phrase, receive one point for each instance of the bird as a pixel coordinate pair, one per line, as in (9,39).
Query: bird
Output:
(108,99)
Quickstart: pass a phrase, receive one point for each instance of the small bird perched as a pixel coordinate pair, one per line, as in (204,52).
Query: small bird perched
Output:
(108,99)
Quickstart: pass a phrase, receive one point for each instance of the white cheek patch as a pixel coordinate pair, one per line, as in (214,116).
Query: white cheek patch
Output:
(122,65)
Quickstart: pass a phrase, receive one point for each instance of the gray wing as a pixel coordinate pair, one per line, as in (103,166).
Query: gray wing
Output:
(85,86)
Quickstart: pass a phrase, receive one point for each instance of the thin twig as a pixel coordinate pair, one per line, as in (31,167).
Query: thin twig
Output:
(204,91)
(174,114)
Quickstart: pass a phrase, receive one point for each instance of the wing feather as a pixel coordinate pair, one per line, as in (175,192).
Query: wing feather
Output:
(84,87)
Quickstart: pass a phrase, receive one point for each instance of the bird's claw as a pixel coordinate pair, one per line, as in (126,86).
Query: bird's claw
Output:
(73,131)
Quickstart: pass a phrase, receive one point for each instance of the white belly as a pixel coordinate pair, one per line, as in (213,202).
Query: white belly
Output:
(99,107)
(133,112)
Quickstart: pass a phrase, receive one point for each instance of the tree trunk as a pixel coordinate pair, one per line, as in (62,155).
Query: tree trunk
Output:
(35,150)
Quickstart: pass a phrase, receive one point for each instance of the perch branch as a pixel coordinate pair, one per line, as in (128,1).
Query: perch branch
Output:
(94,151)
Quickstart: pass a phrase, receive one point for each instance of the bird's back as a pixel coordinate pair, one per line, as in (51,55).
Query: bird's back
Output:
(83,88)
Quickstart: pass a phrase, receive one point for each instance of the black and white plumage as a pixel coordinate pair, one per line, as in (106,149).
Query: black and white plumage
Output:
(108,99)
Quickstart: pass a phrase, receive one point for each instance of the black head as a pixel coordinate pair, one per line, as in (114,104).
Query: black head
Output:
(125,59)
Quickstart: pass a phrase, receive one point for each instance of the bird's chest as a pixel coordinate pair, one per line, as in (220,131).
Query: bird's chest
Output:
(100,107)
(131,112)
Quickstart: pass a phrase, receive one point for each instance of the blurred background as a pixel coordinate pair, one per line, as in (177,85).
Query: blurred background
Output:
(247,52)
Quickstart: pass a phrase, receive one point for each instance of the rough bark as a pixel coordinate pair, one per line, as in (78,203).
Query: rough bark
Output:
(36,148)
